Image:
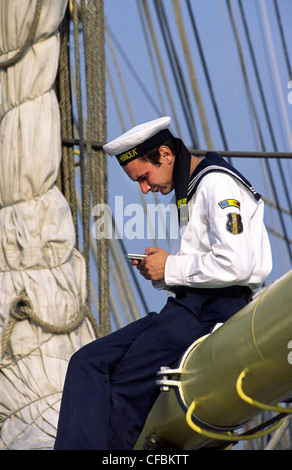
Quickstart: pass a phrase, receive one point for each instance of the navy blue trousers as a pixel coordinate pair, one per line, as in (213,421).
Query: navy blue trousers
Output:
(110,384)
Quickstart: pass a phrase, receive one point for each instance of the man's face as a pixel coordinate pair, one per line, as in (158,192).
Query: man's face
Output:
(153,177)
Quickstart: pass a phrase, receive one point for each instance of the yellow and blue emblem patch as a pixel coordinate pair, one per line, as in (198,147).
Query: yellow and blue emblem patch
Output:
(229,203)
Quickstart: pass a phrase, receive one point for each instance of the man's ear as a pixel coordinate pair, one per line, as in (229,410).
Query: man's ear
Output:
(166,153)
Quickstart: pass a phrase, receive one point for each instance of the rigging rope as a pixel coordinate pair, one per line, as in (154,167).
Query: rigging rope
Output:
(82,145)
(193,78)
(152,62)
(284,45)
(66,176)
(160,63)
(100,188)
(177,72)
(204,64)
(91,123)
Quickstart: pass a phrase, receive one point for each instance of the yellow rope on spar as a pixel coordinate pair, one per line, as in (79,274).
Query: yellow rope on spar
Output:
(244,397)
(231,437)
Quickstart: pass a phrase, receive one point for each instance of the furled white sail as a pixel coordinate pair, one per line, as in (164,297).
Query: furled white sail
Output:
(42,275)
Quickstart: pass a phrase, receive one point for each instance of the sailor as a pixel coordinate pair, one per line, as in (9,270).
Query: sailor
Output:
(222,257)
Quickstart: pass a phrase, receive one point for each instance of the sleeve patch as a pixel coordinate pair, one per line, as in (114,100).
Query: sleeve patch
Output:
(228,203)
(234,223)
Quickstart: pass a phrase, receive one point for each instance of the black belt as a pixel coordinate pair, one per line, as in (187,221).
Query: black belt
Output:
(231,291)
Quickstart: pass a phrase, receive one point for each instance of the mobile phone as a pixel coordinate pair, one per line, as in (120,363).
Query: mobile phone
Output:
(135,256)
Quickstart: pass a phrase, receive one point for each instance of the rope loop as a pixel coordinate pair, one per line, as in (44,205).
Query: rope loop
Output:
(22,309)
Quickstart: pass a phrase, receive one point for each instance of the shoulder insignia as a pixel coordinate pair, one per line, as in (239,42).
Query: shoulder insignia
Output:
(234,223)
(228,203)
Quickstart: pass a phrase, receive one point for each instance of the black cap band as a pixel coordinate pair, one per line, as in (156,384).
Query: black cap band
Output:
(144,147)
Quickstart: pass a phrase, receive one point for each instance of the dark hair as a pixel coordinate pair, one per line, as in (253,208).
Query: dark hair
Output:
(153,155)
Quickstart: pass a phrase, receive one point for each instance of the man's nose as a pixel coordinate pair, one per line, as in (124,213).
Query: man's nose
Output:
(145,187)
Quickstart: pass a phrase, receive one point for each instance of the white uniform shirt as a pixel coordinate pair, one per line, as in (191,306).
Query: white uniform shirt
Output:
(225,242)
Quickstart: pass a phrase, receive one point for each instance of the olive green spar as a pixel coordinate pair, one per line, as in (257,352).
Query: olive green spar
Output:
(256,338)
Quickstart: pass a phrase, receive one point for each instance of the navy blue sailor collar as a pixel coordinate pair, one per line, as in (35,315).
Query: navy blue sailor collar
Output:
(215,162)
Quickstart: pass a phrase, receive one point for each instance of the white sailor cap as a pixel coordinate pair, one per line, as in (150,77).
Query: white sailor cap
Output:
(139,140)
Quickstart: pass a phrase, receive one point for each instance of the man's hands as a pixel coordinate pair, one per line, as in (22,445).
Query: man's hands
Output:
(152,267)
